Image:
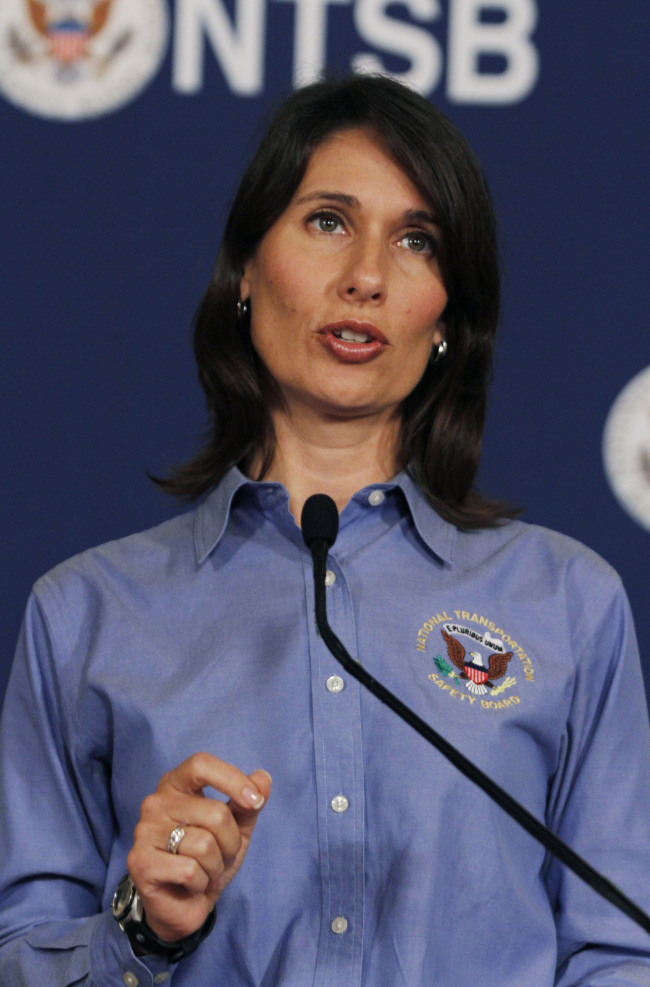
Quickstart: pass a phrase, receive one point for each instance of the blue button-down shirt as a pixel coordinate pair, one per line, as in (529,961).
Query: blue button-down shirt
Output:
(374,862)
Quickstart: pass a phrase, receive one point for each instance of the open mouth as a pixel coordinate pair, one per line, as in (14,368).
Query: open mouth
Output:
(352,337)
(353,342)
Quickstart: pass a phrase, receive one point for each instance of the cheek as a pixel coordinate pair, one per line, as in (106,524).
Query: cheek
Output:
(275,313)
(423,331)
(432,311)
(425,322)
(278,280)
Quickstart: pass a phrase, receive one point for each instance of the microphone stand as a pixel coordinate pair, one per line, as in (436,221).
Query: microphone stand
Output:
(319,547)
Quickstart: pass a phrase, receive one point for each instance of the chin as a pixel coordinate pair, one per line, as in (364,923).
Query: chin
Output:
(354,407)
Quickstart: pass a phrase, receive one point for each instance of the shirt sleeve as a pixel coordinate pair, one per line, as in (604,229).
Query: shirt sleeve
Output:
(57,828)
(600,803)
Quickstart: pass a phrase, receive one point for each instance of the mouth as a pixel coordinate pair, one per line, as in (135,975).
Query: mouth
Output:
(356,332)
(352,341)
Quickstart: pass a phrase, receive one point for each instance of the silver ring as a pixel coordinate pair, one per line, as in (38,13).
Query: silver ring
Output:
(175,838)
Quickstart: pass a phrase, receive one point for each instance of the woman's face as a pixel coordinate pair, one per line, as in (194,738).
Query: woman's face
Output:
(345,289)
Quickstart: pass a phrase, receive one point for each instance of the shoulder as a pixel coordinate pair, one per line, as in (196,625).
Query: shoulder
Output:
(532,543)
(538,565)
(513,546)
(126,566)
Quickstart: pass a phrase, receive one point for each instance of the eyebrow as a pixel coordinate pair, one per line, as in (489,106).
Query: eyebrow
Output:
(351,201)
(421,216)
(346,200)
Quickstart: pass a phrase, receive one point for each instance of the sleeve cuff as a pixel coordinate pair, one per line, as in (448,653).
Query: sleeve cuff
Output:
(110,951)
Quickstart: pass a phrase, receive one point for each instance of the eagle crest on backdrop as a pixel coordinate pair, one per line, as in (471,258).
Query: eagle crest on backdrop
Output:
(67,29)
(83,15)
(477,676)
(75,59)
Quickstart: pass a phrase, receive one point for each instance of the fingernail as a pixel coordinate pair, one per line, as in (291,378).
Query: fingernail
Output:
(265,773)
(254,797)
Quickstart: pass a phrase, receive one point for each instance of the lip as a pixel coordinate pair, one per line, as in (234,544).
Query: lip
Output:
(349,351)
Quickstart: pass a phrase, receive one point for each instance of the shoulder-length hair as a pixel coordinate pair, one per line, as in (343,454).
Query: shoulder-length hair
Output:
(443,417)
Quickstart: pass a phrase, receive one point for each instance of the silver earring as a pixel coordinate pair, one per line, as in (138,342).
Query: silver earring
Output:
(243,309)
(438,352)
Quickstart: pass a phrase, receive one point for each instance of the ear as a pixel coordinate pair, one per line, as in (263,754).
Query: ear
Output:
(245,282)
(440,333)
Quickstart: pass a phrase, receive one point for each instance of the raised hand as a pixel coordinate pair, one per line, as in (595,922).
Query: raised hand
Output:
(178,890)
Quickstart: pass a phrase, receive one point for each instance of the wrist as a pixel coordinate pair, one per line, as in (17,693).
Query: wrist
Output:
(129,914)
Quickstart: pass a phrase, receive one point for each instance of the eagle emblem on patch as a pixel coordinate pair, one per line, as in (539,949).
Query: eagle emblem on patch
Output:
(477,677)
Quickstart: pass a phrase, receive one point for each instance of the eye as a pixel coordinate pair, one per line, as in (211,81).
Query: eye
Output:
(419,242)
(326,222)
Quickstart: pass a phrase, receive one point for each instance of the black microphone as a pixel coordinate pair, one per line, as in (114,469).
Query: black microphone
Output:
(320,522)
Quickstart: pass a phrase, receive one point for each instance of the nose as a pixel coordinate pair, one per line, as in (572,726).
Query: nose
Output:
(363,278)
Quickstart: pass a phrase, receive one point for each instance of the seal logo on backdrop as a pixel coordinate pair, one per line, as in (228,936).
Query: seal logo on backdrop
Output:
(77,59)
(626,448)
(475,660)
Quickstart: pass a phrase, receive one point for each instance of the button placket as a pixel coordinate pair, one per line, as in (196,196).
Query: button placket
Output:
(339,777)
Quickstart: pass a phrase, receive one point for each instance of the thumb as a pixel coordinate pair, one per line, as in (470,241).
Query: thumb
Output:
(246,818)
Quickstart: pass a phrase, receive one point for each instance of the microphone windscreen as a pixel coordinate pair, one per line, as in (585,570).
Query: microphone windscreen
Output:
(319,519)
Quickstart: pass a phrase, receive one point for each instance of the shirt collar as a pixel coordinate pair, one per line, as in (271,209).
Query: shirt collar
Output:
(438,535)
(212,514)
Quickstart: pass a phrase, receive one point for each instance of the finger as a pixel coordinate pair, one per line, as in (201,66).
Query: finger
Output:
(162,813)
(153,870)
(214,834)
(201,845)
(205,770)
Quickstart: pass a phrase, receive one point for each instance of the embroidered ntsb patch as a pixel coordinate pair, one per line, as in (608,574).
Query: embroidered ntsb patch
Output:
(476,660)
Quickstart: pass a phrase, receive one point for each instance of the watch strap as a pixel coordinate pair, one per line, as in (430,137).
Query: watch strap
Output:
(145,941)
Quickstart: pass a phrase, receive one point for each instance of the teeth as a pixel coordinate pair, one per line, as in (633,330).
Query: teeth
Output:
(353,337)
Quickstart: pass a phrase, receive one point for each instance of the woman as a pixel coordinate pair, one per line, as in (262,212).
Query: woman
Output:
(344,346)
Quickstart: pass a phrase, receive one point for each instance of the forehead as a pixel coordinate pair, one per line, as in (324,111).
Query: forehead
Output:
(358,161)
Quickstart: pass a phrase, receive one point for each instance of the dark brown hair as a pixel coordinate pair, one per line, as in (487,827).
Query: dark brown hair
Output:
(443,418)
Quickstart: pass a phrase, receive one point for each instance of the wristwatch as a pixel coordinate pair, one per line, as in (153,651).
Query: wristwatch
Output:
(128,912)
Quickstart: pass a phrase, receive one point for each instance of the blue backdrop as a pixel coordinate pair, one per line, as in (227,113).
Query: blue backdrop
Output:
(125,125)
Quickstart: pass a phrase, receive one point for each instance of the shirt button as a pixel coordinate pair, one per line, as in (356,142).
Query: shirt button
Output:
(376,497)
(335,683)
(339,803)
(130,979)
(330,578)
(339,925)
(161,978)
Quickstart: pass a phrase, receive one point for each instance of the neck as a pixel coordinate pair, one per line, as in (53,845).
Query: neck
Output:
(336,457)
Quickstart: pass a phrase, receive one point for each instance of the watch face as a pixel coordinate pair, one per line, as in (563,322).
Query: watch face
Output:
(626,448)
(122,898)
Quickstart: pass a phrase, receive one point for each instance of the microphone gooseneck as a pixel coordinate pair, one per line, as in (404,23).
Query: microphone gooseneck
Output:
(321,510)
